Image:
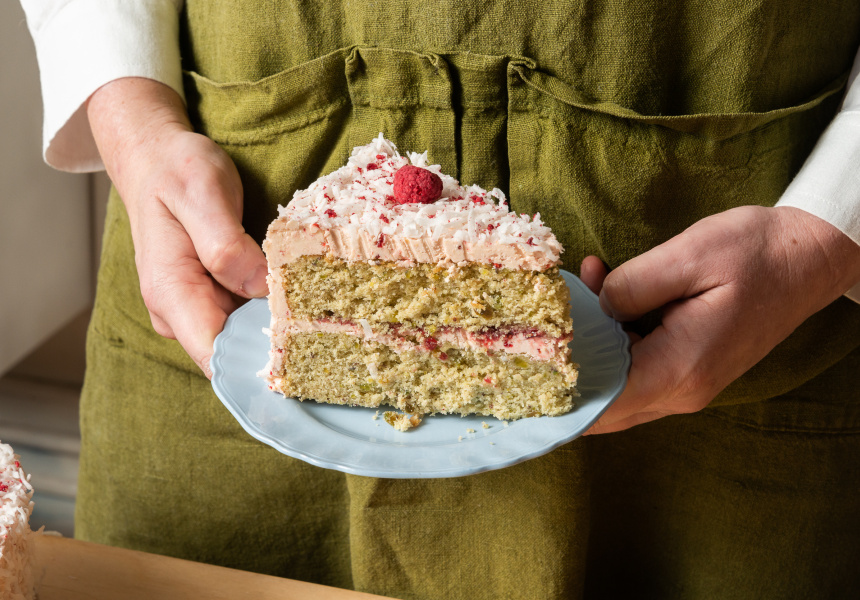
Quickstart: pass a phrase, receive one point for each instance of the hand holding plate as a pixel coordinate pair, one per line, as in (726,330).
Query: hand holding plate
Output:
(731,287)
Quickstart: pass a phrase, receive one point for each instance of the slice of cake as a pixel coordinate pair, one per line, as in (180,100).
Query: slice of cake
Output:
(391,284)
(16,577)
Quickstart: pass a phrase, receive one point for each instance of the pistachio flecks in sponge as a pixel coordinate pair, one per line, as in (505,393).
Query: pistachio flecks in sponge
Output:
(339,369)
(473,297)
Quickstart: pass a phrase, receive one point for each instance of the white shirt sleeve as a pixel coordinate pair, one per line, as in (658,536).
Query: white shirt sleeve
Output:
(828,184)
(82,45)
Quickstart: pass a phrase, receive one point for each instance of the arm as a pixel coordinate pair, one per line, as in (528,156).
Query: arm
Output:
(82,45)
(112,85)
(183,196)
(828,185)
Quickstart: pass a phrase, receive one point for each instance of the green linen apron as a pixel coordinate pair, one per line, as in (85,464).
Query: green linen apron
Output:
(622,122)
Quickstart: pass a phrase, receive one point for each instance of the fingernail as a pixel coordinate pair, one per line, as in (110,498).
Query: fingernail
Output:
(604,304)
(255,286)
(206,368)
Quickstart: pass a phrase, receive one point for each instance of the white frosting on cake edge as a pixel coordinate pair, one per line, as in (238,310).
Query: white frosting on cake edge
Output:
(351,214)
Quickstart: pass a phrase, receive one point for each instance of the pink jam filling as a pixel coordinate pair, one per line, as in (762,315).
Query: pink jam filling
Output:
(512,340)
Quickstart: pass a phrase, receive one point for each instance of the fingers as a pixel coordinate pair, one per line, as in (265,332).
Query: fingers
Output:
(677,368)
(646,385)
(634,399)
(638,419)
(593,273)
(161,327)
(191,308)
(185,303)
(197,321)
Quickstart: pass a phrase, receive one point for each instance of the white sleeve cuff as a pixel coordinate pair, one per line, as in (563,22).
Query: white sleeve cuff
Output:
(828,185)
(85,44)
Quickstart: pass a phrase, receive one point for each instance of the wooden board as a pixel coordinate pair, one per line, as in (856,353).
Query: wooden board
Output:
(68,569)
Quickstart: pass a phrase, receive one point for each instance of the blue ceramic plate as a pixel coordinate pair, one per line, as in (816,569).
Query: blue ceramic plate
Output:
(350,440)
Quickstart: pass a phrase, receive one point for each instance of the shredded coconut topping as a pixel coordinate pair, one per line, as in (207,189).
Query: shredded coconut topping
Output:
(358,200)
(16,581)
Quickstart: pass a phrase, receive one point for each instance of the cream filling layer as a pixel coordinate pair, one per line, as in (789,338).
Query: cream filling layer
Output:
(537,346)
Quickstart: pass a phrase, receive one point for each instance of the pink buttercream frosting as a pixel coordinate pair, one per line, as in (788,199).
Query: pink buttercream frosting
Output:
(351,214)
(513,340)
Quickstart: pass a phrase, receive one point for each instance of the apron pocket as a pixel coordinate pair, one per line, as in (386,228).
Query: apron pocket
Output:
(249,112)
(287,129)
(406,96)
(615,183)
(281,131)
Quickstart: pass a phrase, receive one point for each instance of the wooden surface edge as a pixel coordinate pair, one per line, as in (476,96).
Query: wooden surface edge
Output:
(68,569)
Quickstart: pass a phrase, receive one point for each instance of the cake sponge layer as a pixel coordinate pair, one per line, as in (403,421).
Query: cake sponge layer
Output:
(473,297)
(342,369)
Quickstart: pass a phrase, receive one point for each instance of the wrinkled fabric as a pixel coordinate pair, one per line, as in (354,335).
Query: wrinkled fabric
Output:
(622,123)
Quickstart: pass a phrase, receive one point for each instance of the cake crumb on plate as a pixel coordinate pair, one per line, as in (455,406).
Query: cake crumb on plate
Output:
(401,421)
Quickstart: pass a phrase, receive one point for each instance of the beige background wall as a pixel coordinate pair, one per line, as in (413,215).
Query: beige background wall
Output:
(48,219)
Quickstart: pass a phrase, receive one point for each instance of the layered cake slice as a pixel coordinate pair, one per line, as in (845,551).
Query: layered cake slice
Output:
(391,284)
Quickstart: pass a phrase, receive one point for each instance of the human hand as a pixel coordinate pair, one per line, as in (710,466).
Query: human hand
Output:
(731,287)
(183,196)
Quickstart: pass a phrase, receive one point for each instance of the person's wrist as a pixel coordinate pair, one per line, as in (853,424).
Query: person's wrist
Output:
(839,256)
(131,119)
